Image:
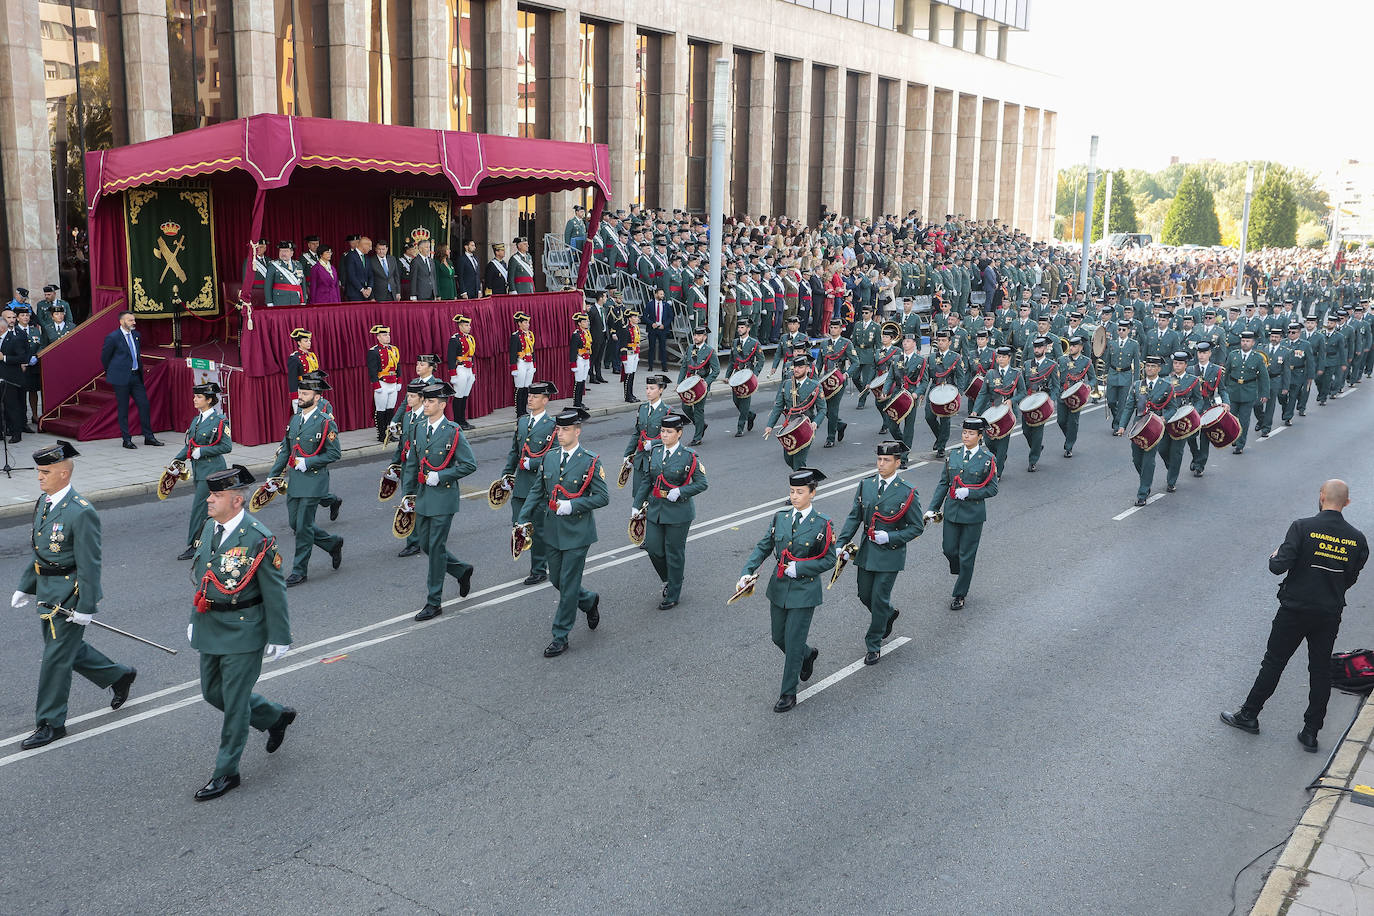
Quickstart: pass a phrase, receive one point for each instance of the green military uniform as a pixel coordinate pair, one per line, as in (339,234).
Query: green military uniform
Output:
(946,368)
(1300,375)
(1000,386)
(673,480)
(909,374)
(1247,382)
(520,269)
(532,439)
(1329,349)
(1187,389)
(1122,360)
(315,439)
(974,472)
(836,355)
(209,441)
(1040,374)
(787,345)
(404,423)
(1212,389)
(864,339)
(700,360)
(745,353)
(1072,370)
(285,282)
(1276,357)
(440,454)
(795,399)
(888,511)
(1150,397)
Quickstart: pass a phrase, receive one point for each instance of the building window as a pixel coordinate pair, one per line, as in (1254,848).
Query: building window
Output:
(302,45)
(648,118)
(532,115)
(698,72)
(740,133)
(815,198)
(390,97)
(467,52)
(593,120)
(200,48)
(782,114)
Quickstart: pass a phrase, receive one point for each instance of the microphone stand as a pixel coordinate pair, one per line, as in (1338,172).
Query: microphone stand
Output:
(9,468)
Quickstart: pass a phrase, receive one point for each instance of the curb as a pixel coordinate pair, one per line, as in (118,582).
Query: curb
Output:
(1290,871)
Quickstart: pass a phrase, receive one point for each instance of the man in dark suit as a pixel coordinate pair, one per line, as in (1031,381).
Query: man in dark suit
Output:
(596,317)
(422,285)
(14,356)
(124,371)
(658,315)
(386,275)
(469,272)
(497,276)
(357,277)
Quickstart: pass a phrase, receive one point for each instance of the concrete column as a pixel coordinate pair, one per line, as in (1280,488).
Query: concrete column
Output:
(25,156)
(1009,169)
(832,170)
(865,130)
(673,124)
(429,36)
(761,87)
(1002,34)
(799,140)
(941,154)
(621,121)
(980,37)
(147,74)
(348,22)
(565,97)
(907,19)
(986,204)
(965,154)
(916,156)
(894,156)
(933,22)
(255,57)
(960,18)
(503,218)
(1043,226)
(1029,174)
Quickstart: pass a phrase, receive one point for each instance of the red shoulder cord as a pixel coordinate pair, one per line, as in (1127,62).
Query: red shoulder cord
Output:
(1151,405)
(525,446)
(741,360)
(559,488)
(324,437)
(938,374)
(959,480)
(801,408)
(1040,378)
(219,433)
(426,466)
(662,485)
(702,364)
(879,517)
(1182,392)
(919,376)
(1005,393)
(201,602)
(786,556)
(1079,376)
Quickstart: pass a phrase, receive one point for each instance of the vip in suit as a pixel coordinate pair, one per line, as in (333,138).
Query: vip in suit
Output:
(660,312)
(14,356)
(422,282)
(596,316)
(469,276)
(124,371)
(385,275)
(497,277)
(357,276)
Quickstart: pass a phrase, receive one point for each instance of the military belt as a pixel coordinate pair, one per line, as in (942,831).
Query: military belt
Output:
(45,569)
(231,605)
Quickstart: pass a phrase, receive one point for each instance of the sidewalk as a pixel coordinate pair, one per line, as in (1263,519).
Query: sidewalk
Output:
(109,471)
(1326,867)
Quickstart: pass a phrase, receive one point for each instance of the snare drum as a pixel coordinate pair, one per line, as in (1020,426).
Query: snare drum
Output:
(879,383)
(1000,421)
(691,389)
(1220,426)
(1076,396)
(832,383)
(1146,431)
(1184,422)
(944,400)
(796,435)
(1037,409)
(744,383)
(972,389)
(898,406)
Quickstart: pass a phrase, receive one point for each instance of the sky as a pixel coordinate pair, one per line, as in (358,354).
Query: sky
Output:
(1231,80)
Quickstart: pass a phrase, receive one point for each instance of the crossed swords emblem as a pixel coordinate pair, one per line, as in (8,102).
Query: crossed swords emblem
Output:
(169,258)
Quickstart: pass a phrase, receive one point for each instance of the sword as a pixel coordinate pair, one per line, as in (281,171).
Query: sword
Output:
(105,626)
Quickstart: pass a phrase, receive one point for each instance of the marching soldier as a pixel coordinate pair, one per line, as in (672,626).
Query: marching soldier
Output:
(521,354)
(909,375)
(439,458)
(1002,384)
(789,343)
(795,398)
(885,361)
(1074,367)
(65,571)
(968,480)
(1041,374)
(1329,350)
(1187,389)
(675,475)
(1300,372)
(745,353)
(568,486)
(630,339)
(580,355)
(383,362)
(1162,340)
(310,445)
(300,361)
(533,437)
(699,360)
(402,429)
(285,280)
(648,423)
(803,541)
(239,614)
(1280,375)
(462,362)
(886,516)
(520,267)
(837,355)
(207,442)
(1122,359)
(1247,381)
(864,340)
(1153,396)
(946,368)
(1211,386)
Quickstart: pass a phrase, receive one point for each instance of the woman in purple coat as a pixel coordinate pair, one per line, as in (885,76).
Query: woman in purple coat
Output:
(324,279)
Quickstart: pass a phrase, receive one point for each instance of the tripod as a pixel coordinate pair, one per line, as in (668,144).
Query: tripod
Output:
(7,433)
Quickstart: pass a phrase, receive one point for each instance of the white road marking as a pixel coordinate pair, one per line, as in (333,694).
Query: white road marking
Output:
(896,643)
(1134,509)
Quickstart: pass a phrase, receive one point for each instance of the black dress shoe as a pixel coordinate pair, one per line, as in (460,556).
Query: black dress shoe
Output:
(187,554)
(843,427)
(1237,450)
(887,631)
(43,734)
(809,664)
(121,688)
(535,578)
(1171,488)
(956,603)
(465,426)
(152,441)
(752,417)
(829,443)
(666,605)
(334,508)
(557,647)
(1068,453)
(217,787)
(336,555)
(276,732)
(1197,472)
(695,442)
(1308,740)
(127,443)
(594,613)
(872,658)
(1264,434)
(939,453)
(429,612)
(1242,720)
(294,579)
(1302,413)
(1139,502)
(785,702)
(409,550)
(738,433)
(1030,469)
(1287,422)
(465,583)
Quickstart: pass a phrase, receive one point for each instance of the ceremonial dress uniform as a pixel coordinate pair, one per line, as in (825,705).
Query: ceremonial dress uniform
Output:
(745,353)
(836,355)
(580,357)
(864,339)
(1247,382)
(531,441)
(383,362)
(1041,374)
(699,360)
(1212,388)
(402,429)
(521,353)
(462,363)
(1122,359)
(284,283)
(946,368)
(674,477)
(1276,363)
(1072,370)
(795,398)
(968,480)
(312,437)
(207,442)
(1300,375)
(885,516)
(1001,385)
(520,268)
(1152,396)
(1187,389)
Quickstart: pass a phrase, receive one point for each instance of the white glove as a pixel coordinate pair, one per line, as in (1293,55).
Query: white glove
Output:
(432,479)
(844,555)
(634,512)
(514,373)
(961,493)
(300,464)
(195,452)
(392,476)
(645,445)
(526,464)
(564,507)
(79,618)
(19,599)
(275,652)
(880,537)
(188,631)
(674,495)
(506,485)
(791,570)
(271,486)
(743,581)
(928,516)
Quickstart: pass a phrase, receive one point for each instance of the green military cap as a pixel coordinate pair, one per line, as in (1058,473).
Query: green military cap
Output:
(546,388)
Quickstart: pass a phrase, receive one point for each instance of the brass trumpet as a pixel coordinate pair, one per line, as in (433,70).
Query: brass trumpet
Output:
(749,583)
(846,551)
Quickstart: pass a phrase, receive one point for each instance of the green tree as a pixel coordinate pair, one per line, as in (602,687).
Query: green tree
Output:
(1123,205)
(1312,235)
(1070,178)
(1192,217)
(1273,213)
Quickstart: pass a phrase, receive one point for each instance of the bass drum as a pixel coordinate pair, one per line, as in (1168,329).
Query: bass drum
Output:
(744,383)
(1220,426)
(1000,421)
(1184,422)
(796,435)
(1037,409)
(1076,396)
(691,389)
(944,400)
(1146,431)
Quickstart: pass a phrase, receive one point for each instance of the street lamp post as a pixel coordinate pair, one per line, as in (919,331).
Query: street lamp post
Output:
(1088,209)
(1245,229)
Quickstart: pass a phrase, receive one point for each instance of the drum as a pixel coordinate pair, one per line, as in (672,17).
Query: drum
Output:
(832,383)
(796,435)
(1146,431)
(898,406)
(878,383)
(972,389)
(1000,421)
(1220,426)
(744,383)
(1037,409)
(944,400)
(1100,339)
(1076,396)
(691,389)
(1184,422)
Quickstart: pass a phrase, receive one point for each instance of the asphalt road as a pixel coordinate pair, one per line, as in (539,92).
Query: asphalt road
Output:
(1052,748)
